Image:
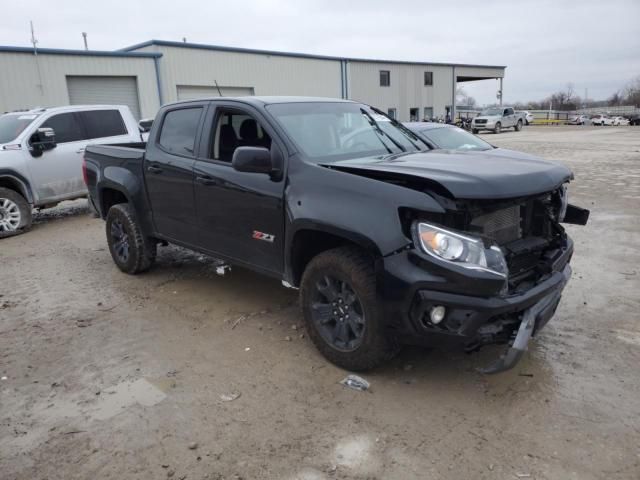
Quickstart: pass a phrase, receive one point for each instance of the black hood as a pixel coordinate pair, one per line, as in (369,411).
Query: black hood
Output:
(469,175)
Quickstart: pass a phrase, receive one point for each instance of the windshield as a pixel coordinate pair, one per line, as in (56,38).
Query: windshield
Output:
(491,111)
(338,131)
(452,138)
(12,125)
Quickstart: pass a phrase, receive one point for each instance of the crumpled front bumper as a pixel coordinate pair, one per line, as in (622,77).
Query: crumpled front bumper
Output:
(533,319)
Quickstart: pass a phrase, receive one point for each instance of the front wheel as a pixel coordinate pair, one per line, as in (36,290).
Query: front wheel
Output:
(518,126)
(15,213)
(131,251)
(342,312)
(498,128)
(474,131)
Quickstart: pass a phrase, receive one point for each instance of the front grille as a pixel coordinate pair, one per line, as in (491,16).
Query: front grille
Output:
(523,263)
(503,226)
(480,120)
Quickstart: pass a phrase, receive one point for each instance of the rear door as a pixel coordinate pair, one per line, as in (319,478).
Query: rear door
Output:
(241,215)
(168,171)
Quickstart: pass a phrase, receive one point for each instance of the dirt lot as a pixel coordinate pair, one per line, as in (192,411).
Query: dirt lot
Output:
(105,375)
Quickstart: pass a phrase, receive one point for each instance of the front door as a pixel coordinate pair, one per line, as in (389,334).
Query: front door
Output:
(241,215)
(168,172)
(57,173)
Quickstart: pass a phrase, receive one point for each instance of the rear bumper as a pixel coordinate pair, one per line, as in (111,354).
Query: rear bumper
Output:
(474,315)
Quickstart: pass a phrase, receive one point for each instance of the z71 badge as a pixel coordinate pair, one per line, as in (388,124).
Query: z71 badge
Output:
(267,237)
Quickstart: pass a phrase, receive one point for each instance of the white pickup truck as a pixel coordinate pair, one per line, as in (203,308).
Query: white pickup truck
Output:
(41,154)
(498,118)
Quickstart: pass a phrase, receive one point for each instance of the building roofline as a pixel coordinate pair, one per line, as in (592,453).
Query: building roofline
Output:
(87,53)
(220,48)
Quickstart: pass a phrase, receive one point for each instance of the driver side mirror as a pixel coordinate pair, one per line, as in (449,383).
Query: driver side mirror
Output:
(252,160)
(43,139)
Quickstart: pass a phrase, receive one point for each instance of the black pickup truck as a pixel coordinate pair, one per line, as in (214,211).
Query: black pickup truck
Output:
(389,241)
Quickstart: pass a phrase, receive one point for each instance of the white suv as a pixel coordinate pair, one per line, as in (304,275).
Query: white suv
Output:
(41,154)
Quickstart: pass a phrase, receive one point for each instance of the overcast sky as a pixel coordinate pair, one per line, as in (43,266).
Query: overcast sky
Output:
(545,44)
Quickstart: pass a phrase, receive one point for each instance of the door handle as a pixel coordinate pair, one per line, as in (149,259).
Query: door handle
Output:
(153,169)
(206,180)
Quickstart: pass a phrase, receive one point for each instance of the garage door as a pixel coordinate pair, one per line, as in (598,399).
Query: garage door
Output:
(84,90)
(192,92)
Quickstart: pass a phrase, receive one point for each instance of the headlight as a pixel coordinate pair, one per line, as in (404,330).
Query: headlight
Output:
(460,249)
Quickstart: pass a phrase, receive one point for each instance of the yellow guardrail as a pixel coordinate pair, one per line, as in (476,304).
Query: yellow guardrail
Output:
(546,121)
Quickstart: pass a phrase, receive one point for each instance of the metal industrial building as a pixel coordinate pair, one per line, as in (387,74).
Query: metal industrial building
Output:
(149,74)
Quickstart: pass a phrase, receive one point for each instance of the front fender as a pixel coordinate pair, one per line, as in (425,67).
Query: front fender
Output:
(21,182)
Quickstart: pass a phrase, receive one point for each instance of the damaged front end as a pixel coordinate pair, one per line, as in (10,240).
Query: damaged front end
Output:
(510,288)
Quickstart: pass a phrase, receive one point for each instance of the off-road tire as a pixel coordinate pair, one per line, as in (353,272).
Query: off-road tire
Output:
(498,128)
(23,207)
(356,268)
(141,249)
(518,126)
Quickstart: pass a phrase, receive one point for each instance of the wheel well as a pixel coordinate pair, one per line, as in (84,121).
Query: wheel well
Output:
(11,184)
(307,244)
(111,197)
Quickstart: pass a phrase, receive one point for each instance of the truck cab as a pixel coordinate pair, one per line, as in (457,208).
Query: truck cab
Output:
(41,154)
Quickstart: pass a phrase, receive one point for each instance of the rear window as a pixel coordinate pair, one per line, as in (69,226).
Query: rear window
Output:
(103,123)
(178,134)
(66,126)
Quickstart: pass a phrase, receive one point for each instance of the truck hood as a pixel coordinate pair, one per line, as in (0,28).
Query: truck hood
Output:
(467,175)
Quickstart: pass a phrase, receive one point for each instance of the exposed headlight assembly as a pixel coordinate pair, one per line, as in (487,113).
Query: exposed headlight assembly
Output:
(468,252)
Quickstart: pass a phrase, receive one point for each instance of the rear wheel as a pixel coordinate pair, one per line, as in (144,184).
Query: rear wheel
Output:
(342,311)
(15,213)
(518,126)
(498,128)
(131,251)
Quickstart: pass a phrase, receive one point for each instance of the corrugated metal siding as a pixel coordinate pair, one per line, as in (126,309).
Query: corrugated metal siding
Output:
(266,74)
(407,89)
(193,92)
(89,90)
(20,86)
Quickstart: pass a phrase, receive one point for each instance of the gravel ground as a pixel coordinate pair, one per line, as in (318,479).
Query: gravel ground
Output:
(179,373)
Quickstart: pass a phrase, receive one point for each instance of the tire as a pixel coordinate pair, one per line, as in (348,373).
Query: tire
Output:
(15,213)
(518,126)
(474,131)
(498,128)
(130,249)
(336,284)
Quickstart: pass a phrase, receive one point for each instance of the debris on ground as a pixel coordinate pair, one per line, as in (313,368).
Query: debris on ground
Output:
(247,349)
(287,338)
(356,383)
(237,322)
(193,445)
(83,322)
(229,397)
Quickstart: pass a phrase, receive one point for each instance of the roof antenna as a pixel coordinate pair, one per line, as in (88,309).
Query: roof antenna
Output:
(219,92)
(35,54)
(184,39)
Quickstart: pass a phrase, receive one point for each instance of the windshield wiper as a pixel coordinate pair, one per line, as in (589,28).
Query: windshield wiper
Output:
(380,132)
(408,133)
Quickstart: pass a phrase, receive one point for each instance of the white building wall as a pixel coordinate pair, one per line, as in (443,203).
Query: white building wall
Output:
(265,74)
(20,85)
(407,89)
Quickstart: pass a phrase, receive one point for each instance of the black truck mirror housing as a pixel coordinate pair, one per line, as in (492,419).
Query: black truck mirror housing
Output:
(252,160)
(43,139)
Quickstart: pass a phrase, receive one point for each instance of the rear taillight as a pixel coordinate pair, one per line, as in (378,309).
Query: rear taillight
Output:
(84,171)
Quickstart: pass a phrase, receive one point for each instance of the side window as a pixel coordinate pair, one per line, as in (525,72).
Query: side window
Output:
(508,111)
(234,129)
(178,134)
(66,127)
(103,123)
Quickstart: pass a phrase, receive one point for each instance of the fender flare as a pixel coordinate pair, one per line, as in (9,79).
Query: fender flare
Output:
(23,184)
